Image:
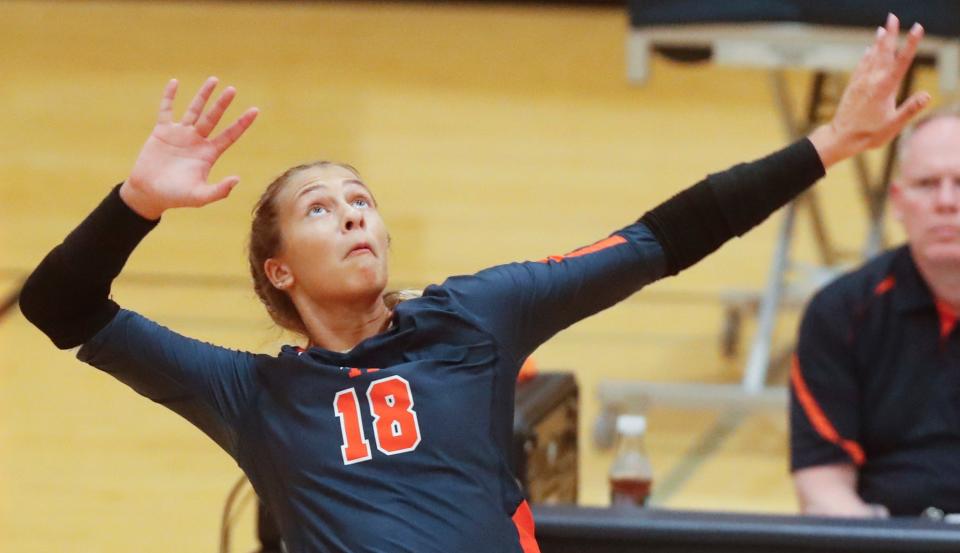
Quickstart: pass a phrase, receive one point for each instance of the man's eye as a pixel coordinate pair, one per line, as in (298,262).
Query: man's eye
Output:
(317,210)
(360,203)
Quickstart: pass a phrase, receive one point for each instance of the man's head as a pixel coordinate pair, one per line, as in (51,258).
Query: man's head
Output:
(925,196)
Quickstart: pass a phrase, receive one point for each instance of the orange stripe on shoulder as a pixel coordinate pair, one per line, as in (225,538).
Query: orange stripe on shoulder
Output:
(885,285)
(614,240)
(523,520)
(819,419)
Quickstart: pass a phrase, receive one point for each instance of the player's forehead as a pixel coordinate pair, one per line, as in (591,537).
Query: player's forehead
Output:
(326,178)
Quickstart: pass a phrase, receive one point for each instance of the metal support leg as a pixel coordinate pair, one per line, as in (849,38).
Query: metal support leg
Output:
(638,57)
(755,374)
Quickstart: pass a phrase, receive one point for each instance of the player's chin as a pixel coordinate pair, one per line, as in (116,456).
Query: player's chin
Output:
(368,278)
(366,267)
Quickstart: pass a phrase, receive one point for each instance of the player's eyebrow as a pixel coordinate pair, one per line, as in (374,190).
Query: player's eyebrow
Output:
(319,185)
(309,188)
(364,186)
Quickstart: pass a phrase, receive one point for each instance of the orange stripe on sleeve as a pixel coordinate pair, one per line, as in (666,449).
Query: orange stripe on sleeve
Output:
(614,240)
(528,370)
(818,419)
(523,520)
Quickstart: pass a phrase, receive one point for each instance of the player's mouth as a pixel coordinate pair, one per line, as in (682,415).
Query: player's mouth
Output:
(362,248)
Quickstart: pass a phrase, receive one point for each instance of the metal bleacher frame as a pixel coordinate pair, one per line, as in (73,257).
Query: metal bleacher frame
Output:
(829,53)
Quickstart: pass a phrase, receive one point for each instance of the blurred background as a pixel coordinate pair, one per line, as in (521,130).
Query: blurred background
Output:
(490,132)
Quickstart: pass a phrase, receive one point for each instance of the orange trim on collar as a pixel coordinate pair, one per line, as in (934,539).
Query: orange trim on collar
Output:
(948,318)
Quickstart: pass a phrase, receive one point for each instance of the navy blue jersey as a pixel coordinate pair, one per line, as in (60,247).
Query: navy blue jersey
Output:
(400,444)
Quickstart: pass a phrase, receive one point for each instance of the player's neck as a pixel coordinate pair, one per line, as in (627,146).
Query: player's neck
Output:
(943,278)
(341,326)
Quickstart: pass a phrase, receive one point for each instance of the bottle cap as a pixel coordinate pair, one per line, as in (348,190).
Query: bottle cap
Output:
(633,425)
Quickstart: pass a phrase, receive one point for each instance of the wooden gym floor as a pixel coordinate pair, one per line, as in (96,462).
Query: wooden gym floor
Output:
(489,133)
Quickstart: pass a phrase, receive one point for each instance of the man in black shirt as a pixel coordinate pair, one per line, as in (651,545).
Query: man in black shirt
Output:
(875,385)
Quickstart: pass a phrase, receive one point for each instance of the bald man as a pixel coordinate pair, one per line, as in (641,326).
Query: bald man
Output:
(875,384)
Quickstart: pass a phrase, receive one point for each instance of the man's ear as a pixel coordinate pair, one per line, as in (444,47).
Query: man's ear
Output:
(279,274)
(895,197)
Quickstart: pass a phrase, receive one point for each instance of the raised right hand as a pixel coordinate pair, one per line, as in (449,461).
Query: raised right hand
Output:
(174,163)
(868,115)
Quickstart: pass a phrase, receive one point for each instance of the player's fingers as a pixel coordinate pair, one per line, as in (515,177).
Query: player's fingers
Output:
(864,64)
(888,40)
(872,58)
(196,106)
(906,54)
(165,115)
(212,116)
(230,135)
(883,48)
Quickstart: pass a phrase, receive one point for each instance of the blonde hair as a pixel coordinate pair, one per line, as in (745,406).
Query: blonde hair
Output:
(395,297)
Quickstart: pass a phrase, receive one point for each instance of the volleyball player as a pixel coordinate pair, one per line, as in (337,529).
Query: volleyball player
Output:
(390,431)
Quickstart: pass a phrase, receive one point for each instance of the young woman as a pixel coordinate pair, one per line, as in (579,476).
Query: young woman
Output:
(390,432)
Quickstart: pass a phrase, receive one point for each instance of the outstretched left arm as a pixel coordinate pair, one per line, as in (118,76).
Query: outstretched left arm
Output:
(524,304)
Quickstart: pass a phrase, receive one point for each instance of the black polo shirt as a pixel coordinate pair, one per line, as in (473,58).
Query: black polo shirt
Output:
(876,382)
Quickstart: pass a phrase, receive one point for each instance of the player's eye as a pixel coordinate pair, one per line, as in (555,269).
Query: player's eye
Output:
(360,203)
(317,210)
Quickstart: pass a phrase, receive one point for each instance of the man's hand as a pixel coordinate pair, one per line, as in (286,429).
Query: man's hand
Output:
(831,490)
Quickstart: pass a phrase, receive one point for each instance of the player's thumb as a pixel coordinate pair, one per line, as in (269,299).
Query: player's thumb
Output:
(910,108)
(214,192)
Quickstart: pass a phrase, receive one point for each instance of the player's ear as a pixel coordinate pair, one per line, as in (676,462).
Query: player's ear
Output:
(279,274)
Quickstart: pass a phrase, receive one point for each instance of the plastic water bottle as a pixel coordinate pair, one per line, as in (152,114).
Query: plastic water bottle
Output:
(631,477)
